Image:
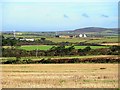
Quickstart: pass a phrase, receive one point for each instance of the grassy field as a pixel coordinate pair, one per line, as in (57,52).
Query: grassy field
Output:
(60,76)
(35,47)
(73,40)
(104,40)
(47,47)
(88,40)
(55,57)
(110,39)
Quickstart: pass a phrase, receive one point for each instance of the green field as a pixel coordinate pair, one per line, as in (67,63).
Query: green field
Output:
(35,47)
(110,39)
(72,40)
(47,47)
(87,40)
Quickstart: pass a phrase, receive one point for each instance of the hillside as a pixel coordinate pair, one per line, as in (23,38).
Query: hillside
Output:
(96,29)
(92,30)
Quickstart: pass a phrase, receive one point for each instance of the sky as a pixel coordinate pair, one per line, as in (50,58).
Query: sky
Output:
(31,15)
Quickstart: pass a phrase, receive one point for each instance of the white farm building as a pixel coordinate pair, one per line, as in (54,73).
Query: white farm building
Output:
(82,35)
(27,39)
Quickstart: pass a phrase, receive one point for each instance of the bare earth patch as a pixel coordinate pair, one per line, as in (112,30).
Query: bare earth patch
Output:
(60,76)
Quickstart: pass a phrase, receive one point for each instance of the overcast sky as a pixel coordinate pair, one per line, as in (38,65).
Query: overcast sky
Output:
(31,15)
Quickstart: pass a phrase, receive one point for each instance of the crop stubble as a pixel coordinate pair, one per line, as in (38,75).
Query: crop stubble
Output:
(60,76)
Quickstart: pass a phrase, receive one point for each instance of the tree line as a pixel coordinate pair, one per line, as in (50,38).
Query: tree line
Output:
(11,41)
(66,60)
(60,51)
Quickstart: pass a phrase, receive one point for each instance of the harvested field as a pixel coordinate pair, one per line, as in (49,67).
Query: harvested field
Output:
(110,44)
(60,76)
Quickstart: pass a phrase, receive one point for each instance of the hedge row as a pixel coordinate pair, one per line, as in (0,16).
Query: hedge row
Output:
(74,60)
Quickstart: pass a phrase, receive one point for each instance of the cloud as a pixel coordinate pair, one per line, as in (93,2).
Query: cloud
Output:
(85,15)
(105,16)
(65,16)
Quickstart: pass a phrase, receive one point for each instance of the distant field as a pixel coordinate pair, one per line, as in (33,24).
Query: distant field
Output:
(35,47)
(60,76)
(110,39)
(88,40)
(47,47)
(104,40)
(73,40)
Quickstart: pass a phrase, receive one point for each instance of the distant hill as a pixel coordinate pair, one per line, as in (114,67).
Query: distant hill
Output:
(91,31)
(96,29)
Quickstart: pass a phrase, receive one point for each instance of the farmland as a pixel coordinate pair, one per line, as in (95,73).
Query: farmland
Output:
(60,76)
(35,47)
(33,64)
(87,40)
(74,40)
(58,57)
(47,47)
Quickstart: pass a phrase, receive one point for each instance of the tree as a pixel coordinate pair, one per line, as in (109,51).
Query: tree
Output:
(81,52)
(71,48)
(13,42)
(114,48)
(86,49)
(43,39)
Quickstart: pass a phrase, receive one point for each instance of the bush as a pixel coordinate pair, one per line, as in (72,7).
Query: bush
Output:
(10,61)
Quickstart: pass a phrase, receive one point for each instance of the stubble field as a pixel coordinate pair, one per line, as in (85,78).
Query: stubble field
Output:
(60,76)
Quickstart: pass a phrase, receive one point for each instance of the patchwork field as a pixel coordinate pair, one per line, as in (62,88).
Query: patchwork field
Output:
(60,76)
(110,39)
(87,40)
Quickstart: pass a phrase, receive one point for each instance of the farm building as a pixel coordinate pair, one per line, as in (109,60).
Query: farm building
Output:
(27,39)
(82,35)
(71,36)
(64,36)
